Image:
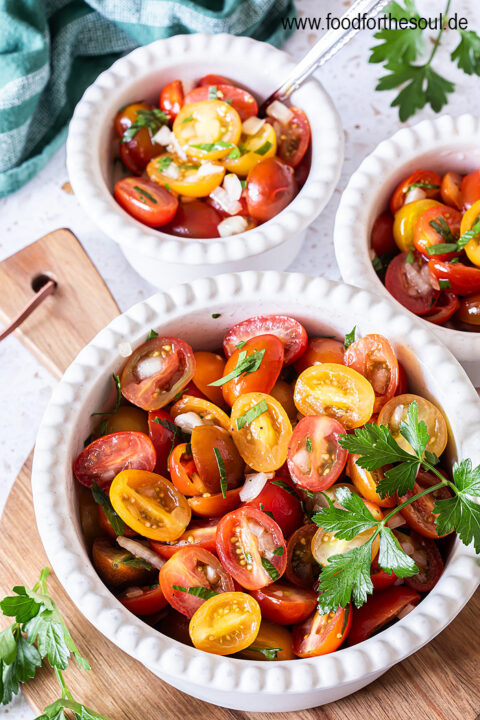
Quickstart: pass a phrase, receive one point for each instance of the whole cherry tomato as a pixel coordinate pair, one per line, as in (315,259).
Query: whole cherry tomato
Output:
(470,189)
(147,202)
(321,350)
(195,219)
(273,642)
(209,366)
(469,309)
(382,234)
(143,600)
(171,98)
(271,186)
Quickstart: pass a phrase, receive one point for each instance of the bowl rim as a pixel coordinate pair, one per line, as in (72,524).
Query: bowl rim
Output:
(99,100)
(351,240)
(168,657)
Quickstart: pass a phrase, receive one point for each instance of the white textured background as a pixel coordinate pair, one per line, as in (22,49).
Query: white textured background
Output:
(43,206)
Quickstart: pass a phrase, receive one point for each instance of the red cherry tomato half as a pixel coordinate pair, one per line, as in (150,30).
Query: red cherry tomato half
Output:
(429,562)
(271,186)
(104,458)
(380,579)
(213,79)
(462,279)
(157,371)
(421,178)
(285,604)
(143,601)
(379,610)
(195,219)
(302,568)
(198,534)
(470,189)
(402,386)
(147,202)
(419,514)
(292,334)
(411,285)
(322,634)
(192,568)
(163,437)
(437,225)
(261,380)
(450,190)
(251,547)
(382,234)
(447,305)
(282,503)
(374,357)
(171,98)
(293,138)
(315,457)
(241,100)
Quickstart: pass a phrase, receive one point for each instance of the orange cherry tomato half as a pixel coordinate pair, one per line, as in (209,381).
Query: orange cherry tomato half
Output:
(423,179)
(382,241)
(251,547)
(208,505)
(419,514)
(315,457)
(198,534)
(244,103)
(450,190)
(293,138)
(226,623)
(183,471)
(273,643)
(321,350)
(109,561)
(283,392)
(379,610)
(285,604)
(271,186)
(292,334)
(374,357)
(157,371)
(105,457)
(206,410)
(172,99)
(366,482)
(208,442)
(302,568)
(192,567)
(127,116)
(208,368)
(146,201)
(437,225)
(322,634)
(470,189)
(143,600)
(269,351)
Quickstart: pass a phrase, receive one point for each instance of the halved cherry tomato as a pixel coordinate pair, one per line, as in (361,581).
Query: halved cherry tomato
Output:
(150,504)
(107,528)
(164,435)
(461,279)
(450,190)
(195,219)
(427,558)
(207,130)
(244,103)
(127,116)
(322,634)
(208,505)
(419,514)
(470,189)
(273,638)
(262,441)
(366,482)
(445,307)
(410,283)
(143,600)
(198,534)
(293,138)
(471,218)
(420,178)
(337,391)
(253,149)
(315,457)
(138,151)
(279,498)
(268,349)
(324,544)
(292,334)
(157,371)
(321,350)
(184,177)
(183,471)
(109,561)
(379,610)
(437,225)
(374,357)
(381,579)
(207,443)
(192,567)
(382,234)
(226,623)
(206,410)
(285,604)
(283,392)
(127,418)
(209,366)
(212,79)
(271,186)
(469,309)
(104,458)
(405,221)
(302,568)
(171,98)
(145,201)
(251,547)
(395,411)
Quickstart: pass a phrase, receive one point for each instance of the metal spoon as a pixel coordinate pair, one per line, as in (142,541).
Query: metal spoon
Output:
(328,45)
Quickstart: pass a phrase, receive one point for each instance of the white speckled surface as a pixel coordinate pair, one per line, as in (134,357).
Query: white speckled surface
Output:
(42,206)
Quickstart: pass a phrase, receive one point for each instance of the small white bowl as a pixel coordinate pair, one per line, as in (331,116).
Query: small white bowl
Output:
(164,259)
(442,144)
(324,307)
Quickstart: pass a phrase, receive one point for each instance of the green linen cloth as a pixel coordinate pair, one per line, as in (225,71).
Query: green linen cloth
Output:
(51,50)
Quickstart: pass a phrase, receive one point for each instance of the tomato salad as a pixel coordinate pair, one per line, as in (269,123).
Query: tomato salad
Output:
(427,247)
(204,165)
(197,491)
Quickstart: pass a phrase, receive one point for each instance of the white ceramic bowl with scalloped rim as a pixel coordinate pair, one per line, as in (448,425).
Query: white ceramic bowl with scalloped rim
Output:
(164,259)
(442,144)
(323,307)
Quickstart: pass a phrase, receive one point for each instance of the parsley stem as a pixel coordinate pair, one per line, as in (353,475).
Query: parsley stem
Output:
(438,38)
(66,694)
(415,497)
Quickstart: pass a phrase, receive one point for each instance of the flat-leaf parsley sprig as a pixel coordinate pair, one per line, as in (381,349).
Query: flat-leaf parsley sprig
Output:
(346,577)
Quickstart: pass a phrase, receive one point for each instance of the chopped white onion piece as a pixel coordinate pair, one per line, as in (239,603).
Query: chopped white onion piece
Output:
(149,366)
(303,460)
(133,592)
(407,609)
(415,194)
(141,551)
(232,207)
(189,420)
(396,521)
(252,125)
(124,349)
(232,226)
(280,112)
(233,186)
(419,281)
(172,171)
(176,148)
(163,136)
(254,485)
(211,574)
(207,169)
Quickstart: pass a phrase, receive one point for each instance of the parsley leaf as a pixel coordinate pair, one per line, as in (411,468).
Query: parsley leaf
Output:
(406,44)
(285,486)
(348,523)
(392,557)
(102,499)
(49,635)
(350,338)
(136,562)
(152,334)
(344,577)
(269,653)
(460,512)
(467,52)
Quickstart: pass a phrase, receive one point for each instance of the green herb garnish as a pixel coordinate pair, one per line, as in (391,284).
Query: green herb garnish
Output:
(252,414)
(197,590)
(263,149)
(270,569)
(118,399)
(212,93)
(153,120)
(136,562)
(221,470)
(308,445)
(245,364)
(152,334)
(269,653)
(410,257)
(102,499)
(350,338)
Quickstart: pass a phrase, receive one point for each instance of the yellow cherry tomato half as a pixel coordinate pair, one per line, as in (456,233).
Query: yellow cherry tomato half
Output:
(187,178)
(324,544)
(261,430)
(470,218)
(337,391)
(395,410)
(225,623)
(206,410)
(405,221)
(150,505)
(208,130)
(264,141)
(273,642)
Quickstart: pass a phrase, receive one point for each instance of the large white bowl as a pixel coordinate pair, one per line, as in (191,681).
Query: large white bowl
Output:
(442,144)
(323,307)
(163,259)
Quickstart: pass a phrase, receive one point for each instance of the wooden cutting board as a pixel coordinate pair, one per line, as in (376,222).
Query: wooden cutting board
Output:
(440,682)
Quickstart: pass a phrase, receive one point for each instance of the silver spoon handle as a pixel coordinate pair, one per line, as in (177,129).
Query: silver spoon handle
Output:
(328,45)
